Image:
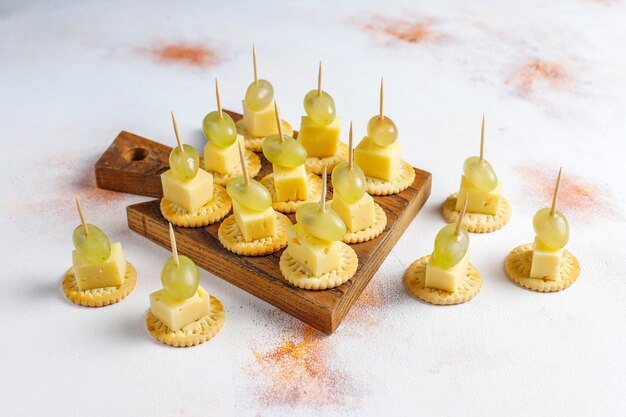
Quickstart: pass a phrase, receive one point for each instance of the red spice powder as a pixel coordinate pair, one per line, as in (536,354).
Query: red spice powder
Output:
(403,30)
(535,71)
(184,53)
(367,310)
(299,373)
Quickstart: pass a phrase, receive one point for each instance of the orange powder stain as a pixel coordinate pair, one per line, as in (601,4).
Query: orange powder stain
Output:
(367,310)
(576,195)
(184,53)
(403,30)
(527,77)
(299,373)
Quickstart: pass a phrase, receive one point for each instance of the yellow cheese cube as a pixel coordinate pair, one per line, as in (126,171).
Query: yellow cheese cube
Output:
(315,255)
(222,160)
(290,183)
(175,313)
(255,224)
(260,123)
(318,140)
(382,162)
(190,195)
(109,273)
(546,263)
(478,201)
(358,215)
(446,279)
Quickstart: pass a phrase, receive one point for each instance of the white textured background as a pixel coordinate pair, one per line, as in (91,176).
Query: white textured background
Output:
(550,77)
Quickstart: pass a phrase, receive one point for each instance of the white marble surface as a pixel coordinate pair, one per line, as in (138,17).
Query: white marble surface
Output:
(551,79)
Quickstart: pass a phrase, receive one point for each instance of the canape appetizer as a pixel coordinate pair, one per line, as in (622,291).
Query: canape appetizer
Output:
(446,276)
(289,183)
(378,155)
(182,313)
(190,199)
(100,275)
(545,265)
(259,112)
(255,228)
(364,219)
(487,209)
(316,258)
(221,155)
(320,130)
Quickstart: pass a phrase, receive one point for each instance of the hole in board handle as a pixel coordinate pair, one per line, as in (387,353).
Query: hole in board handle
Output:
(137,154)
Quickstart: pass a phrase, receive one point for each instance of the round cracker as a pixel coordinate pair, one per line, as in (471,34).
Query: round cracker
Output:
(212,212)
(377,186)
(369,233)
(255,143)
(231,238)
(415,278)
(192,334)
(477,222)
(99,297)
(315,192)
(253,164)
(517,268)
(299,277)
(316,165)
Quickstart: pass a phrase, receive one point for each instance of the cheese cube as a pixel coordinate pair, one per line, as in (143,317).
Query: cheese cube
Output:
(446,279)
(358,215)
(478,201)
(319,140)
(109,273)
(175,313)
(222,160)
(382,162)
(260,123)
(315,255)
(546,263)
(290,183)
(190,195)
(255,224)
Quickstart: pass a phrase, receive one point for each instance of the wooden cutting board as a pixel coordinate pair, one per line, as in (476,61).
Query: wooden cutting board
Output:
(133,164)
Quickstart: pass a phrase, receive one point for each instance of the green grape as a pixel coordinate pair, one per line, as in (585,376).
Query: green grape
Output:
(259,95)
(480,173)
(95,246)
(221,131)
(383,131)
(551,229)
(348,183)
(289,153)
(180,281)
(325,225)
(320,108)
(184,164)
(449,248)
(253,196)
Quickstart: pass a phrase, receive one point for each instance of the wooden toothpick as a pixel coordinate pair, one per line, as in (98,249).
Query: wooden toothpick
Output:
(459,220)
(82,215)
(482,139)
(382,93)
(173,242)
(556,192)
(319,80)
(278,124)
(246,178)
(350,150)
(219,99)
(256,75)
(180,143)
(323,198)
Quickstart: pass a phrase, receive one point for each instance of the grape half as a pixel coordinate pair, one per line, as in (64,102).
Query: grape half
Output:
(253,196)
(289,153)
(480,173)
(185,163)
(95,246)
(320,108)
(449,248)
(259,95)
(552,230)
(180,281)
(382,131)
(348,183)
(325,225)
(220,131)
